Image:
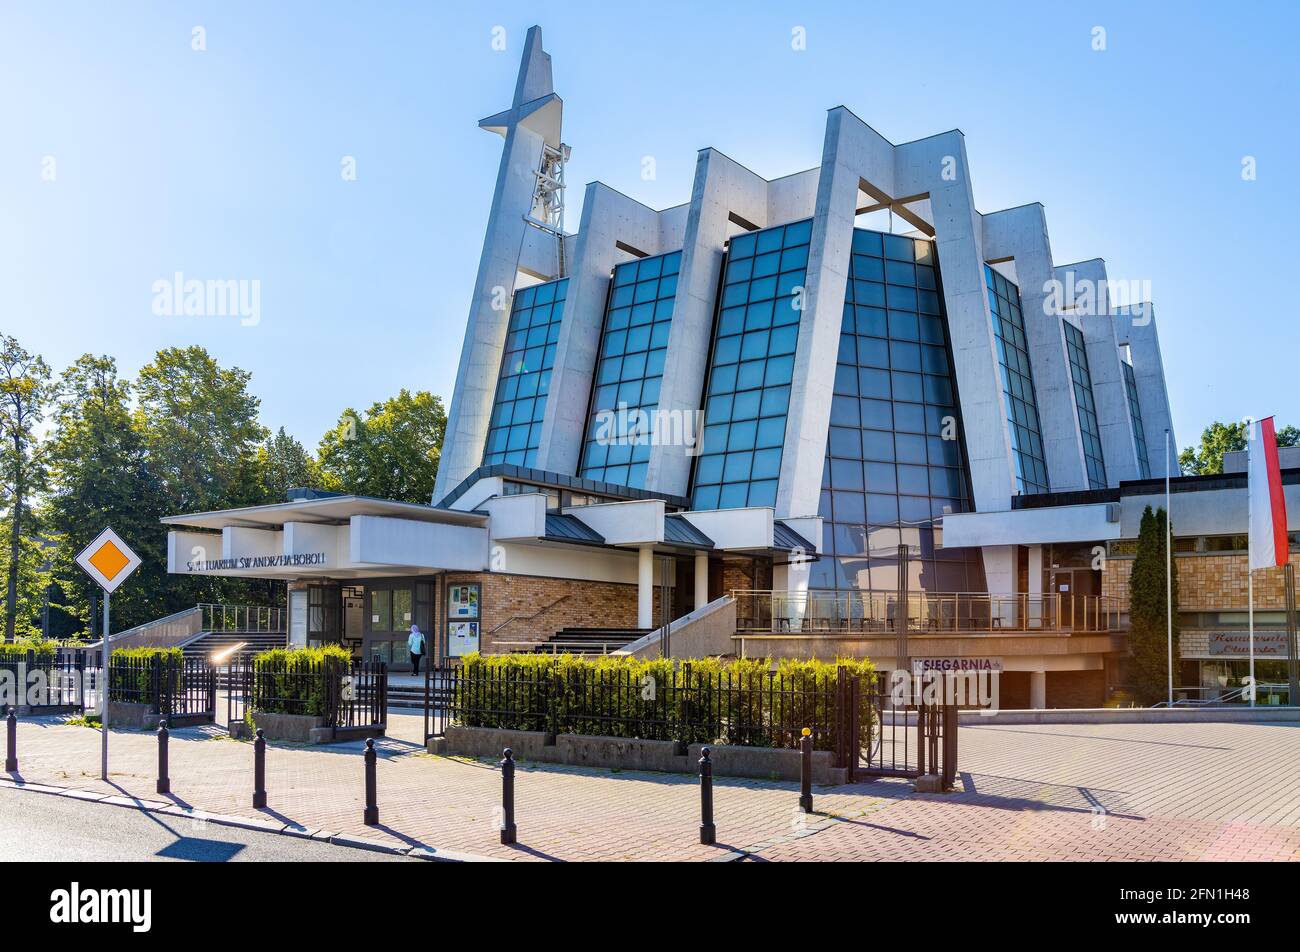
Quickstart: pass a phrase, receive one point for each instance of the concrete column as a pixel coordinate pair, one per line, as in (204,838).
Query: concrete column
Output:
(1136,326)
(1035,588)
(645,587)
(1038,690)
(701,579)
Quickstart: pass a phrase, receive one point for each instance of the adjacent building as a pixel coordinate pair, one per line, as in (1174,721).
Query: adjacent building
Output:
(839,412)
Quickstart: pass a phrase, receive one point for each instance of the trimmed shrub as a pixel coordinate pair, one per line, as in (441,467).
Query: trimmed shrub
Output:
(43,651)
(747,702)
(145,675)
(294,680)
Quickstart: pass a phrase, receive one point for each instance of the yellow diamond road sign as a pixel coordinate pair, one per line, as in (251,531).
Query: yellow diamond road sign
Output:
(108,560)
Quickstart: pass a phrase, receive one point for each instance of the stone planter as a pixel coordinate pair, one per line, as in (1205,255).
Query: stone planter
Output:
(301,729)
(146,717)
(583,750)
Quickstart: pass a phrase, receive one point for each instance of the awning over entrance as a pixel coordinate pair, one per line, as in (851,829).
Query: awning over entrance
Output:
(331,536)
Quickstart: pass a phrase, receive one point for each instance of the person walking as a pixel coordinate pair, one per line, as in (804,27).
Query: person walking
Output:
(415,643)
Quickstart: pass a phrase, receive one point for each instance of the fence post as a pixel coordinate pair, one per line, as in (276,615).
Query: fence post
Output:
(11,742)
(371,817)
(708,832)
(164,781)
(508,831)
(259,771)
(805,771)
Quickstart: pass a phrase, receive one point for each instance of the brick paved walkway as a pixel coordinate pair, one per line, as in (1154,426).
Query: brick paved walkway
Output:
(1184,791)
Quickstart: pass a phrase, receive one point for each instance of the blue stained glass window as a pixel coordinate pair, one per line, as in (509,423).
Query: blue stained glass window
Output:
(514,431)
(747,396)
(895,460)
(1017,383)
(1135,411)
(1089,430)
(629,370)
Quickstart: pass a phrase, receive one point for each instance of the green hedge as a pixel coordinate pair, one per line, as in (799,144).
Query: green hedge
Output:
(293,680)
(747,702)
(132,678)
(43,650)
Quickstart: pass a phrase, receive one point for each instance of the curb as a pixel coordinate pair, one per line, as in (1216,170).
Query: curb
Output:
(431,854)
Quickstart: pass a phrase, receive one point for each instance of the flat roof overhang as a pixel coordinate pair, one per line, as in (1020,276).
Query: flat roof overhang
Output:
(1095,522)
(332,510)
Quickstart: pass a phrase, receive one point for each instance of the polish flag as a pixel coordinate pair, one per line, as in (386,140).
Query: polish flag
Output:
(1268,532)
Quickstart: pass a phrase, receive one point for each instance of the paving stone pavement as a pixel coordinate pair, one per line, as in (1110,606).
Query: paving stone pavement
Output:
(1115,792)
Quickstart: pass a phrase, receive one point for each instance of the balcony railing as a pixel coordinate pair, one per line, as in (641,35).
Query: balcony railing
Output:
(250,619)
(881,614)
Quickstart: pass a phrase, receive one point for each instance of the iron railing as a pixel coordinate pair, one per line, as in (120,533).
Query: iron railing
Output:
(868,613)
(342,694)
(44,678)
(168,685)
(855,717)
(245,619)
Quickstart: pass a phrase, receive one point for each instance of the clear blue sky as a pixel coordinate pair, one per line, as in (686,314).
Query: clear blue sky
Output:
(225,163)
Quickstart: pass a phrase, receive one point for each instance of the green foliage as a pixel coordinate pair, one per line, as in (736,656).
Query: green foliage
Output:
(1148,611)
(43,650)
(145,675)
(392,453)
(1206,459)
(296,680)
(25,393)
(749,702)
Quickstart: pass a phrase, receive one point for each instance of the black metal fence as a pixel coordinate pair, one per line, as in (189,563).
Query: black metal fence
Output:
(45,679)
(344,695)
(171,686)
(857,718)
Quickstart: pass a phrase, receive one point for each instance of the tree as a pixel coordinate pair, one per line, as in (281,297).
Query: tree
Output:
(200,431)
(283,464)
(1220,438)
(1148,610)
(99,476)
(25,390)
(392,454)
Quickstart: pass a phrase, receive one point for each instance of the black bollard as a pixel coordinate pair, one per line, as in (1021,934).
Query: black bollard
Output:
(372,794)
(708,832)
(259,771)
(11,742)
(508,831)
(805,771)
(164,781)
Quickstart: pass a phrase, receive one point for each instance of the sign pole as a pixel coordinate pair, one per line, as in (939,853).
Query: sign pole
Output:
(1169,570)
(103,702)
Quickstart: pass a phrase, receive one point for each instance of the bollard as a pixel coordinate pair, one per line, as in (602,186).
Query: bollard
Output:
(508,831)
(805,771)
(708,832)
(11,742)
(164,781)
(259,771)
(371,817)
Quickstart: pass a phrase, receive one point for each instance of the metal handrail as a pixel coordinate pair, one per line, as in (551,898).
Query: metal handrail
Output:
(868,611)
(242,618)
(541,611)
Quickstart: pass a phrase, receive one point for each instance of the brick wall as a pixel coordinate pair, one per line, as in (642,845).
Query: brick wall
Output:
(1205,583)
(533,608)
(1076,688)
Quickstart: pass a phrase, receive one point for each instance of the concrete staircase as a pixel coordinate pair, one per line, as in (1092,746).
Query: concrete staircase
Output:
(209,643)
(590,641)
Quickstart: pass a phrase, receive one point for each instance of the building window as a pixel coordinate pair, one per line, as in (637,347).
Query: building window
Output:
(1017,384)
(1089,431)
(748,393)
(629,370)
(1135,413)
(515,429)
(895,456)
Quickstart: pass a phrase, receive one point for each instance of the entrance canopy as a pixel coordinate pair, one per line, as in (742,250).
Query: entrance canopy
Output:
(331,536)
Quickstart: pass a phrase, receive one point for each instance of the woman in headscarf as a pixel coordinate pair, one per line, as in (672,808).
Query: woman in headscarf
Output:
(416,644)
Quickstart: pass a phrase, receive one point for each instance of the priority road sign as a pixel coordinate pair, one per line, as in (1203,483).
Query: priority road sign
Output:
(108,560)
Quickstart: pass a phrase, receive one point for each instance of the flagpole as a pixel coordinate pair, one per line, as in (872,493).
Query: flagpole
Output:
(1250,574)
(1169,571)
